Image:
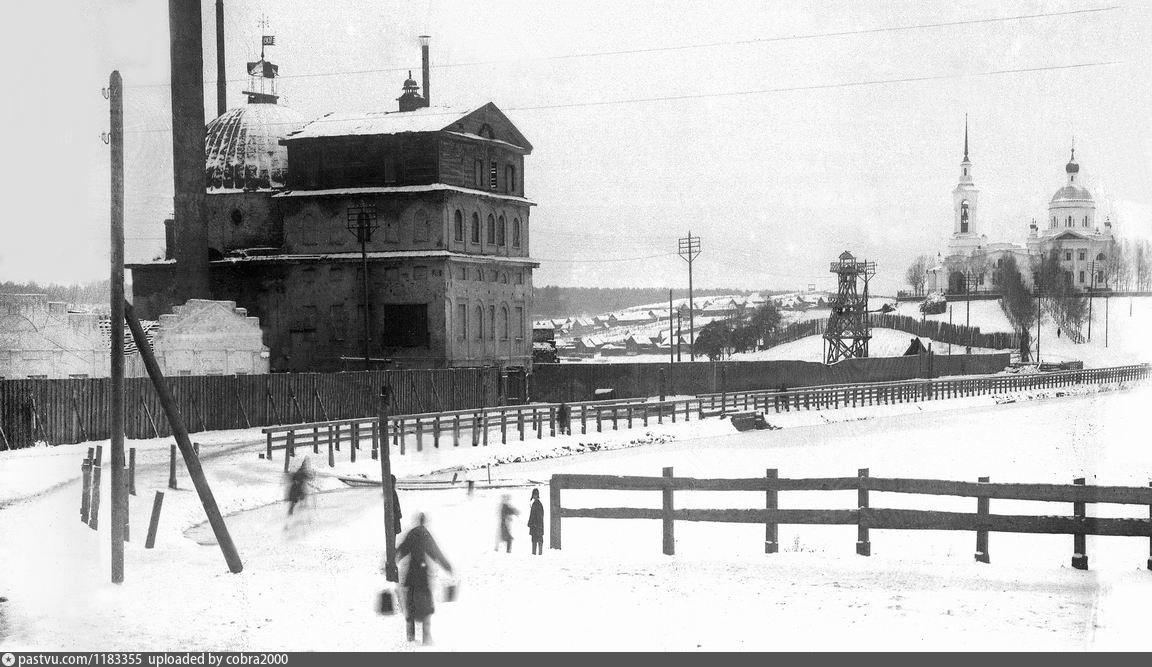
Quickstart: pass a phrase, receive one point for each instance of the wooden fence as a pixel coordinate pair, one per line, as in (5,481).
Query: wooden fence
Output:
(76,410)
(865,517)
(480,426)
(944,332)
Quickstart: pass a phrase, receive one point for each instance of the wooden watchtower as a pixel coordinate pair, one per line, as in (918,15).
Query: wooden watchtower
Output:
(847,334)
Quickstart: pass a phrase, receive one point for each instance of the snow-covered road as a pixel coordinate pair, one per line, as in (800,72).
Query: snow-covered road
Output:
(311,587)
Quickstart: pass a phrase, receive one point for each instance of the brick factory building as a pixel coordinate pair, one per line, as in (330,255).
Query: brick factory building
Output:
(436,192)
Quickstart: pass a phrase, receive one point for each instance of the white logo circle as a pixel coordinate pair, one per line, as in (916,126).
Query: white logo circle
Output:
(8,660)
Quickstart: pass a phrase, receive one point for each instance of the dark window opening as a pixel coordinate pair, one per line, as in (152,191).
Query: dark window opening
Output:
(475,228)
(515,233)
(237,216)
(491,229)
(478,174)
(510,179)
(405,325)
(458,229)
(500,231)
(492,172)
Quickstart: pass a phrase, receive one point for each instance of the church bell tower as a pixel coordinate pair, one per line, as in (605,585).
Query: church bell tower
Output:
(965,197)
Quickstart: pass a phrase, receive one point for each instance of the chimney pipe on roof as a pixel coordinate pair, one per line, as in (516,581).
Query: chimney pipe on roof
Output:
(424,58)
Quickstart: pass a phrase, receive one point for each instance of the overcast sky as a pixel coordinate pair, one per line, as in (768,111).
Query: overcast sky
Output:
(777,173)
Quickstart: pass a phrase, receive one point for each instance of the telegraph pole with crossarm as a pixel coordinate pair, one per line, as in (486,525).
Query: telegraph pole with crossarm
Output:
(690,250)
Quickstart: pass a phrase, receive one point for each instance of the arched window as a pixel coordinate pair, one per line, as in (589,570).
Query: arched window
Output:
(491,229)
(964,217)
(479,322)
(515,233)
(1085,221)
(458,226)
(501,227)
(1101,257)
(491,322)
(504,322)
(1069,224)
(1053,221)
(475,228)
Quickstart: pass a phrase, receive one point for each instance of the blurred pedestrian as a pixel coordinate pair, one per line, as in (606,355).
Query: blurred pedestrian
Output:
(536,524)
(564,419)
(298,484)
(506,514)
(419,547)
(396,514)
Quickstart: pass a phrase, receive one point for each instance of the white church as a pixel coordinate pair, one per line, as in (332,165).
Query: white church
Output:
(1072,231)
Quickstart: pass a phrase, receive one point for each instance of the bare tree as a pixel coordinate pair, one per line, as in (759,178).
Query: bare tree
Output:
(917,273)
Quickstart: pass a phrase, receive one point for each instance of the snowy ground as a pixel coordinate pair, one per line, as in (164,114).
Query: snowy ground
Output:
(311,586)
(884,343)
(988,315)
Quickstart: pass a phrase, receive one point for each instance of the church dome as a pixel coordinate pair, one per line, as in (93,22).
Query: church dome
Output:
(242,148)
(1071,193)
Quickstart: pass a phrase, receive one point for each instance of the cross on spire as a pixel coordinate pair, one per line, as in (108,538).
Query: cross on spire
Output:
(965,137)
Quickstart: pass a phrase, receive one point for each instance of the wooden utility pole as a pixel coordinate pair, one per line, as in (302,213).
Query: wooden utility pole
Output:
(191,461)
(221,80)
(689,250)
(390,571)
(119,494)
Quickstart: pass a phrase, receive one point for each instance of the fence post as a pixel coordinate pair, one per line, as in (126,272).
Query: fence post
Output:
(86,490)
(771,542)
(615,418)
(419,435)
(331,455)
(583,420)
(503,426)
(645,415)
(436,432)
(553,513)
(863,545)
(1079,543)
(316,442)
(456,431)
(287,455)
(552,421)
(154,522)
(354,435)
(268,450)
(520,422)
(374,432)
(172,466)
(599,419)
(982,555)
(132,470)
(484,425)
(629,417)
(669,524)
(94,506)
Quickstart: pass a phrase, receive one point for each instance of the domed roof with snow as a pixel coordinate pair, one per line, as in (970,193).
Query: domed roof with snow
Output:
(242,148)
(1071,193)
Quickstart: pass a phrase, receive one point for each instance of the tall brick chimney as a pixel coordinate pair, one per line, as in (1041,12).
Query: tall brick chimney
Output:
(424,58)
(186,39)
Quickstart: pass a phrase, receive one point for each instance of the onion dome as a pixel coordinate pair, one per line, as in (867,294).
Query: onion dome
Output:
(1072,167)
(242,148)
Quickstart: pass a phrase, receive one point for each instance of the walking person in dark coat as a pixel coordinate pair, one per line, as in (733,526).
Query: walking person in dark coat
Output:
(564,419)
(396,514)
(536,524)
(506,514)
(418,547)
(298,485)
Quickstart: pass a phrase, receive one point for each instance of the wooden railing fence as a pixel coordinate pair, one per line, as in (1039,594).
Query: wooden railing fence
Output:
(477,427)
(866,517)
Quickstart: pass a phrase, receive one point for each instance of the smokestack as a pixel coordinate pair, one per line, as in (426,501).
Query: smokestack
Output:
(424,57)
(186,39)
(221,84)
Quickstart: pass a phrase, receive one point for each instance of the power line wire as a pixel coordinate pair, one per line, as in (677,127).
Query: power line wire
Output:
(702,45)
(742,93)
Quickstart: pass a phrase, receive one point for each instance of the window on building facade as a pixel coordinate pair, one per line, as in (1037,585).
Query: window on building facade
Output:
(964,217)
(461,273)
(462,321)
(1101,257)
(1081,277)
(478,173)
(491,322)
(1080,255)
(504,322)
(1069,223)
(405,325)
(422,229)
(491,229)
(1099,277)
(519,322)
(479,322)
(519,277)
(510,179)
(501,226)
(1085,221)
(458,226)
(493,170)
(515,232)
(475,228)
(1068,255)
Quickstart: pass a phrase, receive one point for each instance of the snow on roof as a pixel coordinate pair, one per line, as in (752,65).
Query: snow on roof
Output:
(400,189)
(342,124)
(382,254)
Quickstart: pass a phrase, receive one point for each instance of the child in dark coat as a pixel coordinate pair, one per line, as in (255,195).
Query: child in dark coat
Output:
(506,514)
(536,524)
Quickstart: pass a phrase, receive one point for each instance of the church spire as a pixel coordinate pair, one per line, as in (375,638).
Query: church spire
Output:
(966,138)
